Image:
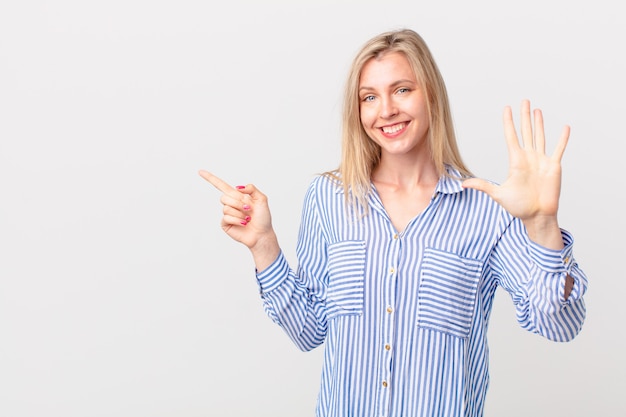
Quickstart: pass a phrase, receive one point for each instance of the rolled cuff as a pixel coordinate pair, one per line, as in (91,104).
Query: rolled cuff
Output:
(554,260)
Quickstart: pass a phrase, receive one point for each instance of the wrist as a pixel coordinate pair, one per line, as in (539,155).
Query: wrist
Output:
(545,231)
(265,251)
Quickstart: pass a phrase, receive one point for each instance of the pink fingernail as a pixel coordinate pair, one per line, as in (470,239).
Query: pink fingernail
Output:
(243,222)
(246,207)
(241,187)
(248,218)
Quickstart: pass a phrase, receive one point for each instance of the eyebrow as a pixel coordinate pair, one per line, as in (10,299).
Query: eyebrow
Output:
(393,84)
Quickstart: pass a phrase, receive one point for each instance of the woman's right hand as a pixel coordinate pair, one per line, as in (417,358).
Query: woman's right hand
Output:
(247,219)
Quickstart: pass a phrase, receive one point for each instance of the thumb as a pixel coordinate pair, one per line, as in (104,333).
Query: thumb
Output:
(251,190)
(480,185)
(247,189)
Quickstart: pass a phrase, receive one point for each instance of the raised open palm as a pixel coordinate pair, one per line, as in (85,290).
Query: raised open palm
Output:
(533,186)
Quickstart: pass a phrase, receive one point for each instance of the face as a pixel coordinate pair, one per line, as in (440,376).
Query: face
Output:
(393,107)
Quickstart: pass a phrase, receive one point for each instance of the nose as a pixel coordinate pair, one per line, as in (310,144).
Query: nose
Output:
(388,108)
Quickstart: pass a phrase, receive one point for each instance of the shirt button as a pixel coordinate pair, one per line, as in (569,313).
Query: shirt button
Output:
(389,309)
(566,260)
(385,384)
(387,346)
(392,270)
(395,236)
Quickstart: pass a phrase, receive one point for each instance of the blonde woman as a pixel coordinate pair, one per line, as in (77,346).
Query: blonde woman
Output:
(400,250)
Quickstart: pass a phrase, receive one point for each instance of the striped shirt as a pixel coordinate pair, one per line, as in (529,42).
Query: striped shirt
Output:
(403,316)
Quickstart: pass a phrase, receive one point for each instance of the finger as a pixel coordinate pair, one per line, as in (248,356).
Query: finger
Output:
(215,181)
(248,189)
(236,216)
(229,220)
(562,144)
(509,129)
(540,137)
(480,185)
(252,196)
(237,203)
(526,125)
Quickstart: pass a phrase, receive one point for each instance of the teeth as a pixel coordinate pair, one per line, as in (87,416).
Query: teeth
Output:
(394,128)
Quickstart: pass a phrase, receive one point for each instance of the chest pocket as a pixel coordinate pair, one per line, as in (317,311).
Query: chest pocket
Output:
(447,292)
(346,269)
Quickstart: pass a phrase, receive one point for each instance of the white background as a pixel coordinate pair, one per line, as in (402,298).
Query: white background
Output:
(119,293)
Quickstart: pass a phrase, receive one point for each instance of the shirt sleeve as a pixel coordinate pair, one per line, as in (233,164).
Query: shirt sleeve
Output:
(535,278)
(295,300)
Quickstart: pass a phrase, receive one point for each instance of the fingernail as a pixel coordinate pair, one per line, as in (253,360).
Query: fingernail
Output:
(243,222)
(248,218)
(241,187)
(246,207)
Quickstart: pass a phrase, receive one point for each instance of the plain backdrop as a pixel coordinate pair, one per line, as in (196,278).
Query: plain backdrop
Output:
(119,293)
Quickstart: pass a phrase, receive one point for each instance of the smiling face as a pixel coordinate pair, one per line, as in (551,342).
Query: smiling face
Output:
(393,107)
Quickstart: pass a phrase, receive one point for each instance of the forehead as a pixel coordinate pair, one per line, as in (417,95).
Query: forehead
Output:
(385,69)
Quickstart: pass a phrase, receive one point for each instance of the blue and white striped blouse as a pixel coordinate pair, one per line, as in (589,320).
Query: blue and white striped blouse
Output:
(404,315)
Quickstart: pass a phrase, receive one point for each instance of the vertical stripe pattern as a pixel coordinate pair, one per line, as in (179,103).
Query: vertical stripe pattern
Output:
(403,316)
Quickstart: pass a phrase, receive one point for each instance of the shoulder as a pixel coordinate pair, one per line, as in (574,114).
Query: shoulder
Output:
(325,192)
(327,182)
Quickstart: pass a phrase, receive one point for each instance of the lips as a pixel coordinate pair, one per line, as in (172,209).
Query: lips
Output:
(393,129)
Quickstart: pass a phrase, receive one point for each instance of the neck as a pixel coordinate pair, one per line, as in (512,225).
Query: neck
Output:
(403,172)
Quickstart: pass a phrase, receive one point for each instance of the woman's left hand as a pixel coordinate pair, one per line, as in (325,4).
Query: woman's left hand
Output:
(532,190)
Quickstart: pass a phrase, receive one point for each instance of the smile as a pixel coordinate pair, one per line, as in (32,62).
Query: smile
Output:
(393,129)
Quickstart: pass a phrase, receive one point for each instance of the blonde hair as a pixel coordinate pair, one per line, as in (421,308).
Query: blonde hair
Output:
(360,154)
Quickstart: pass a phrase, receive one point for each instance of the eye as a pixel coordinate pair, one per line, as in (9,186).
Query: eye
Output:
(403,90)
(368,98)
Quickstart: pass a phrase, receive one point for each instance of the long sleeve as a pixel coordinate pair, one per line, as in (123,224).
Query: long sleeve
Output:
(535,277)
(296,301)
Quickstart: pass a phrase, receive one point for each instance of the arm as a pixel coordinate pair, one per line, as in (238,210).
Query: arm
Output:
(247,219)
(532,190)
(531,194)
(535,277)
(294,301)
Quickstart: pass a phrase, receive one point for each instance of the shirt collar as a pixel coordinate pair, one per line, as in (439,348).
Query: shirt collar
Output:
(449,183)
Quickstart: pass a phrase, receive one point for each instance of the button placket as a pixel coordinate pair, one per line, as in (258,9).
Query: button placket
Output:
(388,322)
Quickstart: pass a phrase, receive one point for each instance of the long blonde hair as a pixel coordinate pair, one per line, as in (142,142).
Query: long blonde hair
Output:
(360,154)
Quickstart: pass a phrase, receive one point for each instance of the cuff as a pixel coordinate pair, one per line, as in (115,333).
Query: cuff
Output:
(271,277)
(552,260)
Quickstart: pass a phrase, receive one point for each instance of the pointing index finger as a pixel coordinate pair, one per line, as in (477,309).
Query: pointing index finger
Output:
(215,181)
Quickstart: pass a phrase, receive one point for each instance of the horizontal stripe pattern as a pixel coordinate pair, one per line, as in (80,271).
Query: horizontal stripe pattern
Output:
(403,316)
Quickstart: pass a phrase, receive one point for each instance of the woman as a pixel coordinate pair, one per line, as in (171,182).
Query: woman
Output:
(400,249)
